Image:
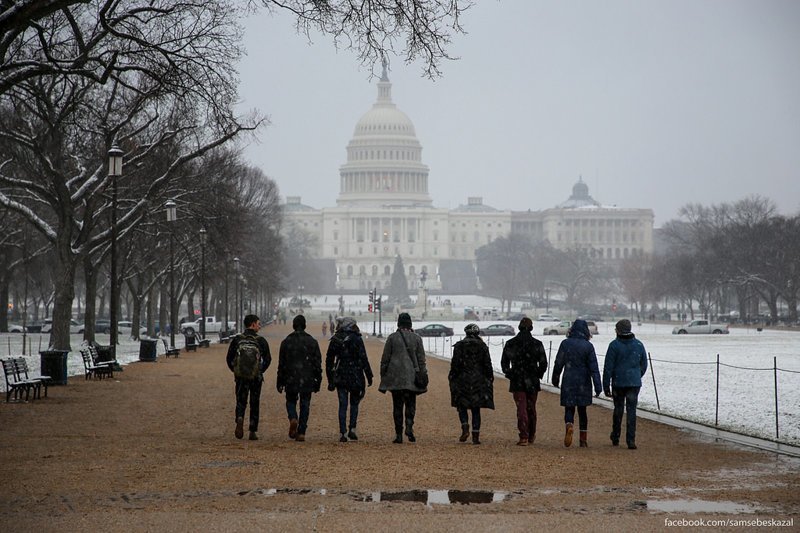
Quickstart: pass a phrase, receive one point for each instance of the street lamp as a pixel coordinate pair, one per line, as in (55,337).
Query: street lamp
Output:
(172,216)
(203,240)
(236,288)
(114,171)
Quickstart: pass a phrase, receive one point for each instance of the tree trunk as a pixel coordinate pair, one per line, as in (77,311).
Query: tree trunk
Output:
(64,285)
(90,317)
(151,311)
(4,283)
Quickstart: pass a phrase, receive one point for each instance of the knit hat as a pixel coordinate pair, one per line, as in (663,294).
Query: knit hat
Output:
(348,323)
(623,326)
(472,330)
(299,322)
(526,324)
(404,320)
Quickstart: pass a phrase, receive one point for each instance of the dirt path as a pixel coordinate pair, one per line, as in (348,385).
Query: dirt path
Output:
(154,450)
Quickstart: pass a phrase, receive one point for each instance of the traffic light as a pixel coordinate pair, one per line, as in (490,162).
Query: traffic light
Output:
(378,303)
(371,297)
(369,308)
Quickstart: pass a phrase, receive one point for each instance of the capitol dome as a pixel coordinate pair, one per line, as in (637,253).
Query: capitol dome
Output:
(384,158)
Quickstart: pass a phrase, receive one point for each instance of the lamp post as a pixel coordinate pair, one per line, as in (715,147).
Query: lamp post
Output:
(203,239)
(172,215)
(226,295)
(114,171)
(236,288)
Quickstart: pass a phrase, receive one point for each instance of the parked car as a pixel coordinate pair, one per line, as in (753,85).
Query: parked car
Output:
(434,330)
(102,326)
(74,326)
(15,328)
(34,327)
(562,328)
(212,326)
(700,326)
(516,316)
(498,329)
(547,318)
(126,328)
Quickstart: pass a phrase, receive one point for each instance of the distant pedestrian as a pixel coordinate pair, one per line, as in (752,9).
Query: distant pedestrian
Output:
(300,375)
(471,378)
(324,328)
(248,358)
(346,367)
(577,358)
(625,364)
(403,356)
(524,363)
(331,325)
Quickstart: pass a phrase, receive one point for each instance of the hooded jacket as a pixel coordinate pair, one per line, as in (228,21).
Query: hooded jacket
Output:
(300,363)
(626,362)
(577,359)
(346,362)
(524,362)
(397,368)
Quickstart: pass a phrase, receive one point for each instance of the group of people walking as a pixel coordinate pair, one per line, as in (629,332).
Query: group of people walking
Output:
(403,373)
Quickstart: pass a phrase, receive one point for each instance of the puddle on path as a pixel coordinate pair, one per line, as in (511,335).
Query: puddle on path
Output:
(699,506)
(428,497)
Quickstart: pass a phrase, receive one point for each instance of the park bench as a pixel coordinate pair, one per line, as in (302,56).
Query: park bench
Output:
(101,354)
(170,351)
(224,337)
(190,342)
(204,343)
(94,369)
(15,370)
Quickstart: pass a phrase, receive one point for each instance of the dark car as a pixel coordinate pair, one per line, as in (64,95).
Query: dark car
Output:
(498,329)
(434,330)
(102,326)
(516,316)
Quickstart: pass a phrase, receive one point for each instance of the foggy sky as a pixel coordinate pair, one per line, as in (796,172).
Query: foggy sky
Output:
(655,103)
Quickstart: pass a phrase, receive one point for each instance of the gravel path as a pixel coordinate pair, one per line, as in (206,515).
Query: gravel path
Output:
(154,450)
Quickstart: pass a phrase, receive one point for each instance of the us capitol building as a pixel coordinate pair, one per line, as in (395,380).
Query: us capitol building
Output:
(384,209)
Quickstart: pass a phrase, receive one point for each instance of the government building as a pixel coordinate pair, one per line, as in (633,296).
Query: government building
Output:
(384,210)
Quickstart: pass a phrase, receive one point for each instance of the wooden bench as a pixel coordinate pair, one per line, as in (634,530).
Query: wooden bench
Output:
(15,370)
(21,365)
(170,351)
(93,369)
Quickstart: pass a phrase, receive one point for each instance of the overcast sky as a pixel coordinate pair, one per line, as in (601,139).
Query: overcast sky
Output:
(655,103)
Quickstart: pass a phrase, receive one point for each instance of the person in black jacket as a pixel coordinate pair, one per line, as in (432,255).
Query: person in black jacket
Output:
(300,374)
(524,363)
(346,366)
(249,388)
(471,378)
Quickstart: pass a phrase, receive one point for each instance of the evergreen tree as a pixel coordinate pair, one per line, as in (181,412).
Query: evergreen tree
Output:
(398,289)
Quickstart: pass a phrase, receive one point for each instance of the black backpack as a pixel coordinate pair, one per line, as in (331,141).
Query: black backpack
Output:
(247,363)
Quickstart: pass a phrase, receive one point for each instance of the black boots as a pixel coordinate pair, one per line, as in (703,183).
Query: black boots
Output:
(398,439)
(464,433)
(475,437)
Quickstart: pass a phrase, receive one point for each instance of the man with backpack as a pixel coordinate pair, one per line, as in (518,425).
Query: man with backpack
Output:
(248,358)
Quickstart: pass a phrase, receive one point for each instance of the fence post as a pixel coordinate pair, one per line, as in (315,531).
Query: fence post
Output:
(653,374)
(775,373)
(716,409)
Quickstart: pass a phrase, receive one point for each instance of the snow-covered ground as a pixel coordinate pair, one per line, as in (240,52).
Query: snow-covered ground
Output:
(684,366)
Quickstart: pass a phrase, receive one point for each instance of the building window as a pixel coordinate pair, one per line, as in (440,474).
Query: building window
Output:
(335,250)
(387,270)
(349,271)
(374,270)
(362,270)
(335,235)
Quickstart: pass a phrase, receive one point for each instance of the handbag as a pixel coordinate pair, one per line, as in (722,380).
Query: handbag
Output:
(420,376)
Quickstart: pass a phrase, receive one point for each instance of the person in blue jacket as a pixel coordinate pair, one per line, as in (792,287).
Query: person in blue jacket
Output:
(577,359)
(626,363)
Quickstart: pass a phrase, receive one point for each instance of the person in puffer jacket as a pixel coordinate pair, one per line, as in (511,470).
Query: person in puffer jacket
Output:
(626,363)
(347,366)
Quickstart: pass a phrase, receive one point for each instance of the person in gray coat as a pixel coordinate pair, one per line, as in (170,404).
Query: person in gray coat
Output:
(626,363)
(403,353)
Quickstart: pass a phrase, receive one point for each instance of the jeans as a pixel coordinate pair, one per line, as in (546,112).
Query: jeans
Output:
(404,399)
(248,389)
(625,398)
(476,417)
(526,413)
(305,408)
(355,399)
(583,419)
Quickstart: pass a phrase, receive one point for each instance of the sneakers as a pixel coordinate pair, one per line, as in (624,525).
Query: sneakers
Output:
(523,441)
(301,437)
(343,438)
(293,428)
(352,434)
(253,436)
(464,433)
(568,435)
(239,432)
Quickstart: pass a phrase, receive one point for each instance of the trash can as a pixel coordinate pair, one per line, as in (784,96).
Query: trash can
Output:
(147,350)
(54,364)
